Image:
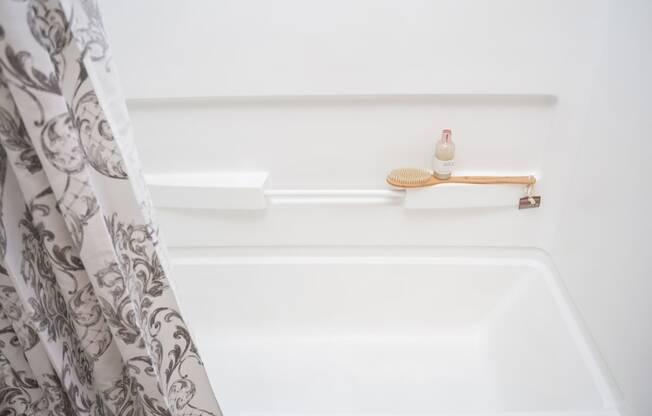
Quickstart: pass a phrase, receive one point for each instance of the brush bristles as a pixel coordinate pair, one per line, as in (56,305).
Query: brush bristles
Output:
(408,177)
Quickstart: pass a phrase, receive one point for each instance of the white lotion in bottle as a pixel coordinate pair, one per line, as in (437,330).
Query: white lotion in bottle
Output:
(444,159)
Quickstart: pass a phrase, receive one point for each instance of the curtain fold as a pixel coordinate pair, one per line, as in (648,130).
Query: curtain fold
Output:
(88,322)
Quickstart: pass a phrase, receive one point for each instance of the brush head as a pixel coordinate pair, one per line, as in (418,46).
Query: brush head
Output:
(409,177)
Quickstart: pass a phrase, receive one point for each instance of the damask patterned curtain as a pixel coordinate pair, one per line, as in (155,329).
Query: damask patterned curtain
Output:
(88,322)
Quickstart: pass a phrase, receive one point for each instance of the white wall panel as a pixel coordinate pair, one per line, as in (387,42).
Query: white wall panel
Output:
(297,47)
(341,142)
(600,232)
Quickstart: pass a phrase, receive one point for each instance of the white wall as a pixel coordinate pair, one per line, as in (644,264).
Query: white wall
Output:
(332,94)
(601,235)
(290,47)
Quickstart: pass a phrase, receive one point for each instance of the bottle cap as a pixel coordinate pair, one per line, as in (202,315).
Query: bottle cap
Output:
(446,135)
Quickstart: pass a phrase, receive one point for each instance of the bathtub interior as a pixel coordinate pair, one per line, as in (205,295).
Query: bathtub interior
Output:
(385,336)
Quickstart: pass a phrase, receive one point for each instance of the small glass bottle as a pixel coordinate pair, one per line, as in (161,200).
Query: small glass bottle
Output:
(444,159)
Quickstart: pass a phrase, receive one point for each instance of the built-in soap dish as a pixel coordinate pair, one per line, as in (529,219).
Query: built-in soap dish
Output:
(215,190)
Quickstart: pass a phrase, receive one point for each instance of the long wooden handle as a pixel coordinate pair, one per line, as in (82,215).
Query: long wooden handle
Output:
(523,180)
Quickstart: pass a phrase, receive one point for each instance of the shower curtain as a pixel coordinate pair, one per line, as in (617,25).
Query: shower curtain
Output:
(88,321)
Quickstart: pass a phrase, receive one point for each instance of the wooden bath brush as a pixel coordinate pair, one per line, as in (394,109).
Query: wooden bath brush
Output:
(418,178)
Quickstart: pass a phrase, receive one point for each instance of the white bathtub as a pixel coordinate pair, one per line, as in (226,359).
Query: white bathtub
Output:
(388,332)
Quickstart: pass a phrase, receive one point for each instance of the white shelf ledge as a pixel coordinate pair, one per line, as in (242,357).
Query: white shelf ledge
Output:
(223,190)
(455,195)
(248,191)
